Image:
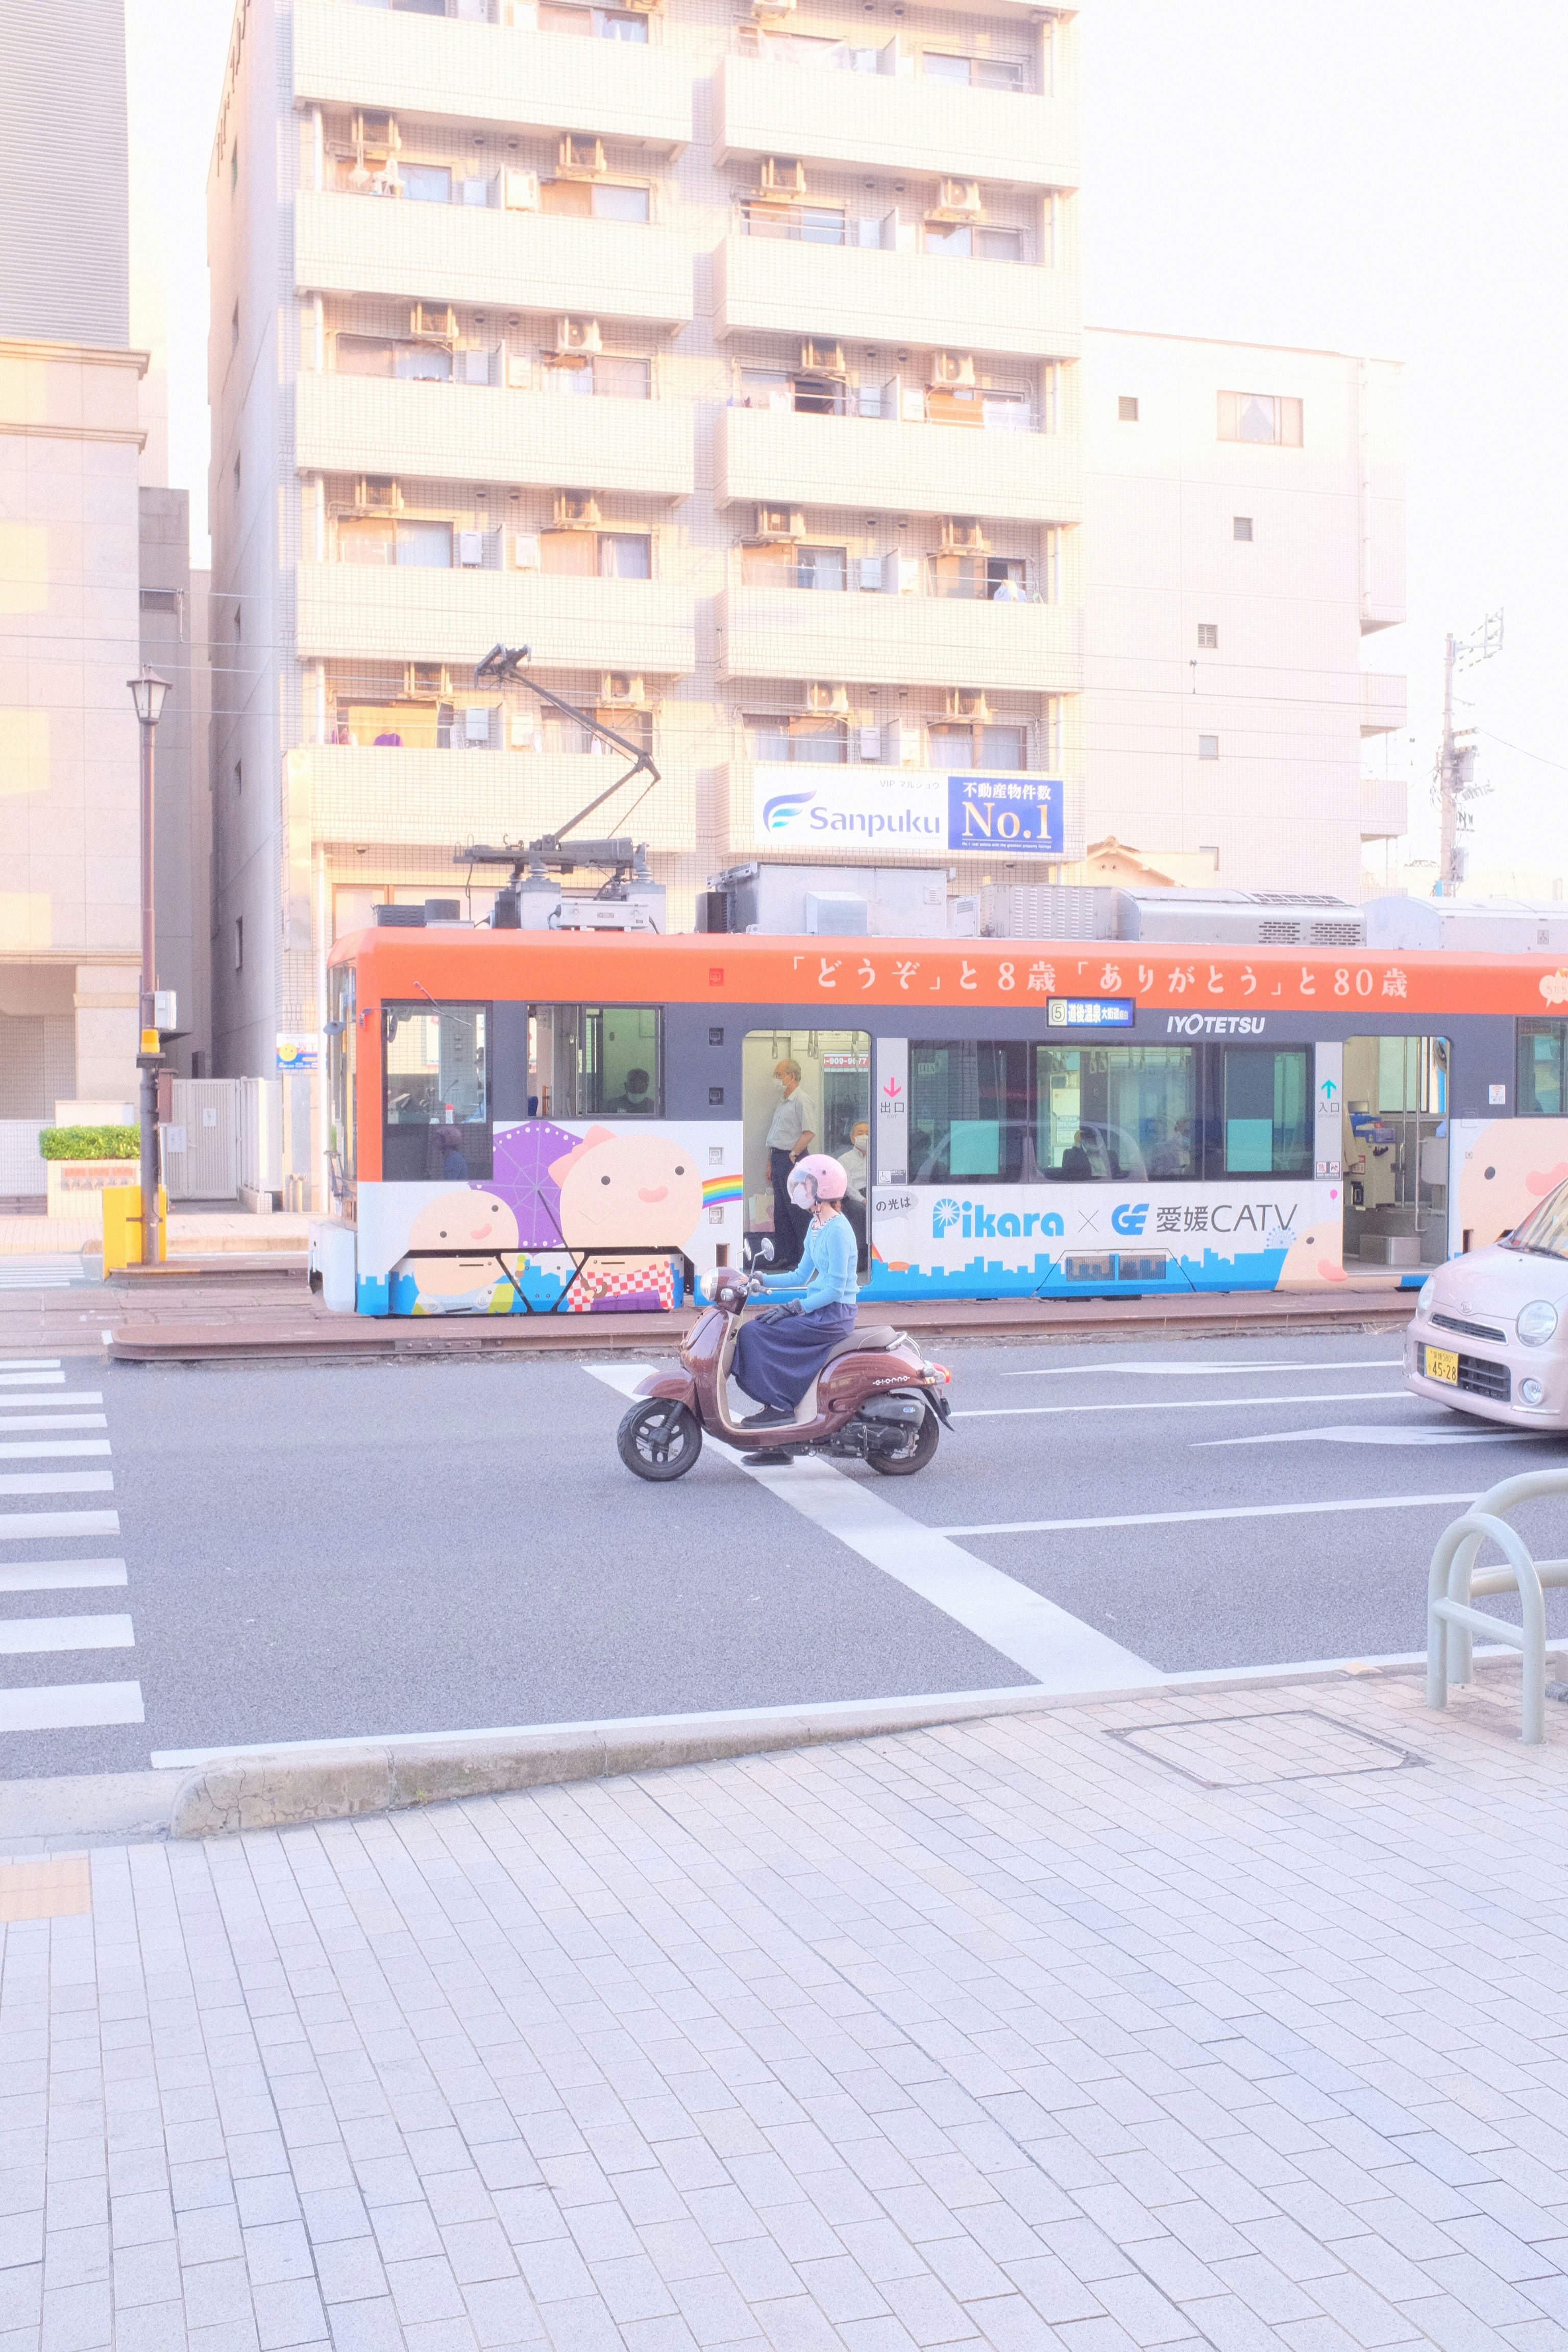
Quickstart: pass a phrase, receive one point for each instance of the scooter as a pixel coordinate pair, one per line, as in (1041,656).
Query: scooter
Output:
(875,1399)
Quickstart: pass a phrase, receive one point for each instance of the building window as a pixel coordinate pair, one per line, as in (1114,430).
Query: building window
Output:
(239,943)
(594,200)
(1208,747)
(784,564)
(1241,527)
(823,742)
(1260,416)
(1208,637)
(1126,410)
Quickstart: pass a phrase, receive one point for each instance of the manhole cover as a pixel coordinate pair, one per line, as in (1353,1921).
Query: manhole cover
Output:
(1240,1752)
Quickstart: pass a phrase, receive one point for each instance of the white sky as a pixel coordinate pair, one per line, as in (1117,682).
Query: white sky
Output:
(1383,176)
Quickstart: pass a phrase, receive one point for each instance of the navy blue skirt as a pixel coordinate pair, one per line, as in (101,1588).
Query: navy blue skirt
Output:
(777,1362)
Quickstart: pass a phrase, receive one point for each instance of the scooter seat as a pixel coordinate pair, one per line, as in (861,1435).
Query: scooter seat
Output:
(869,1335)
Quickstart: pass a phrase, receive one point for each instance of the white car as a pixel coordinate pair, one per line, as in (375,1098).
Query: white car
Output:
(1490,1330)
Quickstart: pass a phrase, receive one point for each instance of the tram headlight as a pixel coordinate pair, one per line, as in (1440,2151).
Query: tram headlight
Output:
(1427,1296)
(1536,1322)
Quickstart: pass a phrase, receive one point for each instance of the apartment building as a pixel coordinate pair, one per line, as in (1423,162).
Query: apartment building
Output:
(725,357)
(1244,537)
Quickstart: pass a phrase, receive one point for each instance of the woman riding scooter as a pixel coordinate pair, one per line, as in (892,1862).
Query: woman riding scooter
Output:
(782,1350)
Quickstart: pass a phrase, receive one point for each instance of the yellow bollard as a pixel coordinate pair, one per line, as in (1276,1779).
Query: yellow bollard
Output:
(122,1227)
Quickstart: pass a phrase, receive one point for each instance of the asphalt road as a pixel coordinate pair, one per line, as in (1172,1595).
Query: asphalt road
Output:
(354,1551)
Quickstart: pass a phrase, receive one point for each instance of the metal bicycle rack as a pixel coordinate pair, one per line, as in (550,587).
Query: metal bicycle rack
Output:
(1455,1583)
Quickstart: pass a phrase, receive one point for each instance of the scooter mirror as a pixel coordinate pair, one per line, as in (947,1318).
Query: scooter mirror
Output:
(765,1252)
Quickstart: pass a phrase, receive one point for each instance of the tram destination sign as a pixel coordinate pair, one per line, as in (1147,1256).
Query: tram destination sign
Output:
(1090,1012)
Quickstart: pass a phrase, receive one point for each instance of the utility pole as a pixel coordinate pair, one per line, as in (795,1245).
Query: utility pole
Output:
(147,692)
(1456,754)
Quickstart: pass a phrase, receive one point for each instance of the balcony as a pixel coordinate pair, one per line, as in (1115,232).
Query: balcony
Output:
(740,798)
(790,460)
(1382,702)
(410,613)
(1385,808)
(493,259)
(415,65)
(453,432)
(418,798)
(911,125)
(772,286)
(800,632)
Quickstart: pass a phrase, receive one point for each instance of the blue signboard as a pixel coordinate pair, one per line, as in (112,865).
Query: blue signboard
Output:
(1020,814)
(1090,1011)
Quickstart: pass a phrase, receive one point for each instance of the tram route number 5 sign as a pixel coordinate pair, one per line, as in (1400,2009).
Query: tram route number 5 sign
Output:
(1016,813)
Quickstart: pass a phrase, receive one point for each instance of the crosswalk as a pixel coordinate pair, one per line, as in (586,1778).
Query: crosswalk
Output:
(43,1422)
(56,1272)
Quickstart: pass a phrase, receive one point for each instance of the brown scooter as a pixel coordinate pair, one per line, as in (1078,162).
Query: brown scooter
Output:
(876,1400)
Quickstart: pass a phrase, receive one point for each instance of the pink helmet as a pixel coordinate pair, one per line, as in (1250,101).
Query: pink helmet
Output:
(816,1178)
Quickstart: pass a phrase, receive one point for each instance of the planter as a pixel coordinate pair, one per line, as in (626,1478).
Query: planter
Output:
(77,1186)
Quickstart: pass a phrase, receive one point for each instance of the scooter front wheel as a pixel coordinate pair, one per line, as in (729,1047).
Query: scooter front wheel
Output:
(660,1438)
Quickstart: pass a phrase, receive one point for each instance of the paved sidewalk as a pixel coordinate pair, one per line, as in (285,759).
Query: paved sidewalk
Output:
(1020,2034)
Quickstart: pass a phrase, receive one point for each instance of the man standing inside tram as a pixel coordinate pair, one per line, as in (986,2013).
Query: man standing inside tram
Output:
(790,1135)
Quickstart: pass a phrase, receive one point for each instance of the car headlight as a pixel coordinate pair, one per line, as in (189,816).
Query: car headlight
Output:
(1536,1323)
(1426,1297)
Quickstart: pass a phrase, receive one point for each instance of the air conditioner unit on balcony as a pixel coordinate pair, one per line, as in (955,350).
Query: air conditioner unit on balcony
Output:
(762,10)
(958,200)
(519,191)
(427,682)
(373,497)
(576,510)
(380,133)
(833,701)
(432,326)
(967,702)
(619,692)
(962,534)
(578,335)
(580,158)
(953,367)
(781,175)
(823,359)
(776,523)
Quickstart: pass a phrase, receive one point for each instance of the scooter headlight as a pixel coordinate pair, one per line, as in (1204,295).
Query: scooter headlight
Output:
(1427,1298)
(1536,1322)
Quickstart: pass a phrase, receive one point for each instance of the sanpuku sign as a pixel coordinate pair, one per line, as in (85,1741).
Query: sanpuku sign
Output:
(802,805)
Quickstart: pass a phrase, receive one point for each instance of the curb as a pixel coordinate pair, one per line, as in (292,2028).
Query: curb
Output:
(343,1781)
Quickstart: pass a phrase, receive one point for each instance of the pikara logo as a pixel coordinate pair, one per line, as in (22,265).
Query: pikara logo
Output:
(982,1224)
(944,1215)
(780,813)
(1130,1216)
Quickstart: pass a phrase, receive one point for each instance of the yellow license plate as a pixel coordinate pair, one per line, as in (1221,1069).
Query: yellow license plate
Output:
(1442,1364)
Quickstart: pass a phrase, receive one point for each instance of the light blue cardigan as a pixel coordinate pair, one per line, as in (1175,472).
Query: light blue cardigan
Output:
(825,1275)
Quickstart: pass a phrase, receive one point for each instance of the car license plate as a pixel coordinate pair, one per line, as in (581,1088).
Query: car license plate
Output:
(1443,1364)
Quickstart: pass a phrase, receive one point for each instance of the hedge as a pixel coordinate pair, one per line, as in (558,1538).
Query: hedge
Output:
(90,1143)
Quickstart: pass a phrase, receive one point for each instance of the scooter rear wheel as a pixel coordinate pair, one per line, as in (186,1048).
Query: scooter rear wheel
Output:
(659,1439)
(917,1454)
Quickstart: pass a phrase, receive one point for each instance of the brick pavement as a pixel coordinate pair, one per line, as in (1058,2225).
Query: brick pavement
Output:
(1020,2034)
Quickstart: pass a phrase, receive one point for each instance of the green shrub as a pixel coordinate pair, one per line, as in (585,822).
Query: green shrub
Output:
(90,1143)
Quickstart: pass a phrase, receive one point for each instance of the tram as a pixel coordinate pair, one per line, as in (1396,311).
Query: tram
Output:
(524,1122)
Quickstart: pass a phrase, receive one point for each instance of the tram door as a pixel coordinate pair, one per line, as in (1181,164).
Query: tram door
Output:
(796,1081)
(1395,1151)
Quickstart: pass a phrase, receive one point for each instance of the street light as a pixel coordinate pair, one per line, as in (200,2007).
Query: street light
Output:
(147,693)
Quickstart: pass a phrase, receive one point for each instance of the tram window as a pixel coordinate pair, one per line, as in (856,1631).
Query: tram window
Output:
(597,1061)
(1106,1114)
(969,1113)
(1543,1052)
(436,1093)
(343,1050)
(1265,1112)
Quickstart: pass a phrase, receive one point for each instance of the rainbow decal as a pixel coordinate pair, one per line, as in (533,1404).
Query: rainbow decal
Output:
(718,1188)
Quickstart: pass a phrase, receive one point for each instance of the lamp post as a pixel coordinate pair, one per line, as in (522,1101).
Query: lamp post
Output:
(147,692)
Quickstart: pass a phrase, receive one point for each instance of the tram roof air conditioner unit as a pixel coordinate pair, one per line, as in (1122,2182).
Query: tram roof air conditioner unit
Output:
(576,510)
(432,326)
(823,359)
(578,335)
(967,702)
(958,200)
(781,175)
(961,533)
(580,158)
(425,681)
(373,497)
(774,523)
(953,367)
(833,699)
(618,690)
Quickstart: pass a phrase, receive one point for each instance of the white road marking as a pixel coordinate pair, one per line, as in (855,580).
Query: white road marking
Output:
(32,1379)
(23,1637)
(56,1482)
(1229,1511)
(9,1404)
(55,1446)
(51,1419)
(70,1706)
(1059,1650)
(29,1364)
(1371,1434)
(1185,1404)
(58,1575)
(1198,1371)
(28,1526)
